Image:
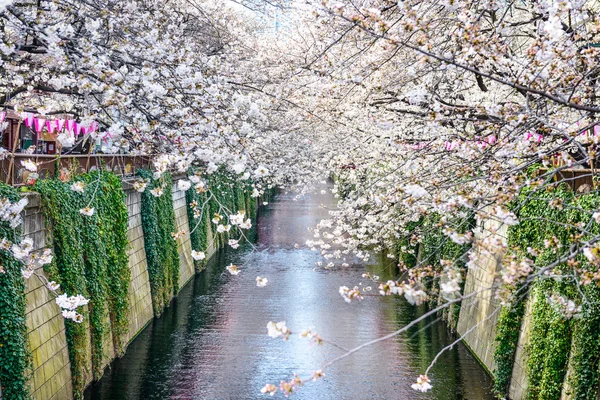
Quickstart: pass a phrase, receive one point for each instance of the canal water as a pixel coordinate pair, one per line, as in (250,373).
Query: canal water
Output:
(212,342)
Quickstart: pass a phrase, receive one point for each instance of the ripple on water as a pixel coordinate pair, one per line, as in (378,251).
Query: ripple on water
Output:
(212,343)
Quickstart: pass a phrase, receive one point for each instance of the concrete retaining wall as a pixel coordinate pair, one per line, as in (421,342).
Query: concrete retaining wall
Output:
(476,311)
(51,377)
(479,313)
(184,245)
(140,299)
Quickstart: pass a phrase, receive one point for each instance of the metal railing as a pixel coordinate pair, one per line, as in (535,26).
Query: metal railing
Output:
(14,173)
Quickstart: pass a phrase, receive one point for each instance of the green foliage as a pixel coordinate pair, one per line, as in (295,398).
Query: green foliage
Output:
(406,248)
(251,204)
(550,341)
(585,350)
(158,224)
(90,259)
(15,360)
(199,227)
(550,337)
(508,328)
(227,195)
(221,202)
(436,246)
(113,220)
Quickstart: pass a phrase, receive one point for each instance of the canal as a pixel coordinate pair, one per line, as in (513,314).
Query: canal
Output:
(212,342)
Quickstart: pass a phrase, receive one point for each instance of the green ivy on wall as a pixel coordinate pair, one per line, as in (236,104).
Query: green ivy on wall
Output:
(553,338)
(158,224)
(199,227)
(549,345)
(585,348)
(251,203)
(90,259)
(436,246)
(406,248)
(508,328)
(15,360)
(113,220)
(227,194)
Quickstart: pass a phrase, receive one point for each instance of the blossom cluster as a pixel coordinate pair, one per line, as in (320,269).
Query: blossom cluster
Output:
(32,260)
(278,329)
(70,304)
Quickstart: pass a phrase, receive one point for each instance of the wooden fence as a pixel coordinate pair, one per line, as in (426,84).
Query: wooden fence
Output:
(12,170)
(580,180)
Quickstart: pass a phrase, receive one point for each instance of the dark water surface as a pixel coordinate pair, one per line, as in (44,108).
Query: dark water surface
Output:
(212,342)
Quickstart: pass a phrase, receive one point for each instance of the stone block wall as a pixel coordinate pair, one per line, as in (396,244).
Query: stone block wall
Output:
(51,378)
(476,311)
(140,299)
(518,381)
(479,313)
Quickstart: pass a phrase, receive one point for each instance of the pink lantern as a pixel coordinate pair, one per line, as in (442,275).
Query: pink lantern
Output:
(93,127)
(39,124)
(78,129)
(51,126)
(70,124)
(60,124)
(28,118)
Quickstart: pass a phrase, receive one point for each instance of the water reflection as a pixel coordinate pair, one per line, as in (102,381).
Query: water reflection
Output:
(212,342)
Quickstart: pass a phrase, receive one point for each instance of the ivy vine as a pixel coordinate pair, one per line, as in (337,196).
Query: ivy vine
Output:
(90,259)
(553,338)
(508,329)
(15,360)
(158,224)
(434,247)
(113,220)
(585,348)
(199,226)
(227,194)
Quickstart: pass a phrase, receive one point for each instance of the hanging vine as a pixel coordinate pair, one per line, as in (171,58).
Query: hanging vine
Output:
(508,328)
(553,337)
(15,360)
(585,350)
(226,195)
(158,224)
(199,224)
(550,342)
(91,259)
(113,219)
(435,247)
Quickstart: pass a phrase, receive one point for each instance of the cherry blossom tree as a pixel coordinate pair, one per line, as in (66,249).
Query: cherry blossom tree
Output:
(422,110)
(162,79)
(447,111)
